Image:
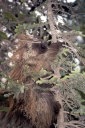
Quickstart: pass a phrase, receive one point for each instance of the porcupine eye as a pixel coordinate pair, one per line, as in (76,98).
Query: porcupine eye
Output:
(43,48)
(39,47)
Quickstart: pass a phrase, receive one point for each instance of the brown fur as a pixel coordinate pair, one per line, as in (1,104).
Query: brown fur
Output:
(38,56)
(36,108)
(43,108)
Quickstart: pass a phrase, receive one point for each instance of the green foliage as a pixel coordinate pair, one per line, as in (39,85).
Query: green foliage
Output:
(4,109)
(9,16)
(22,1)
(81,110)
(82,94)
(82,28)
(64,59)
(72,85)
(2,98)
(15,87)
(21,28)
(3,35)
(81,50)
(73,88)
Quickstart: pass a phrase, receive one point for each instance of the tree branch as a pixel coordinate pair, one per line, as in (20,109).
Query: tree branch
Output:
(51,21)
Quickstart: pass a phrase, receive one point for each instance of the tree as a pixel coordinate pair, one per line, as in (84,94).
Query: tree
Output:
(44,63)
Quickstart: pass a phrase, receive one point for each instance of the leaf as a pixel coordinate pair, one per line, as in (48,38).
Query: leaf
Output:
(20,28)
(80,111)
(22,1)
(2,98)
(9,16)
(4,109)
(83,102)
(82,94)
(2,35)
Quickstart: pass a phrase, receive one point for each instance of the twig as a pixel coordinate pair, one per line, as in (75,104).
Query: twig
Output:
(60,118)
(76,124)
(70,124)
